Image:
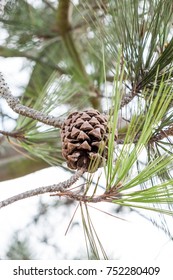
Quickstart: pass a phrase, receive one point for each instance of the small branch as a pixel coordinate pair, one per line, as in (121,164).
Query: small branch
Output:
(126,100)
(49,5)
(15,105)
(156,137)
(61,187)
(162,134)
(14,134)
(107,196)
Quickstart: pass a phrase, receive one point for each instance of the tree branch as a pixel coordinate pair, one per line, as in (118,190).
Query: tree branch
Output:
(49,5)
(61,187)
(126,99)
(14,134)
(64,26)
(107,196)
(15,105)
(164,133)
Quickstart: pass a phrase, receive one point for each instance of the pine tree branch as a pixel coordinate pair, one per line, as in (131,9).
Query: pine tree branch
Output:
(15,105)
(126,99)
(61,187)
(164,133)
(14,134)
(107,196)
(49,4)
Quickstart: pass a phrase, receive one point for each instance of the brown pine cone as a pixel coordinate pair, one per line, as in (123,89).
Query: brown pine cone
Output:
(84,140)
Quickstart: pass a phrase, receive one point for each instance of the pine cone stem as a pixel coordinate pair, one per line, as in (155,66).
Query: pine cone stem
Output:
(17,107)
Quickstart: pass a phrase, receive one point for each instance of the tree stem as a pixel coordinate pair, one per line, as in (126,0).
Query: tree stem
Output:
(64,27)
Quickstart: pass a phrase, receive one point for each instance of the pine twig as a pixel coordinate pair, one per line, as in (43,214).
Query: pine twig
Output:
(160,135)
(107,196)
(17,107)
(164,133)
(61,187)
(49,5)
(126,100)
(14,134)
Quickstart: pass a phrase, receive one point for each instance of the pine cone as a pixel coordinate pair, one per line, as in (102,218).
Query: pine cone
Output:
(84,140)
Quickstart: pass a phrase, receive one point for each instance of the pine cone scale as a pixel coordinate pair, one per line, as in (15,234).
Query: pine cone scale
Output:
(75,132)
(86,126)
(96,133)
(83,136)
